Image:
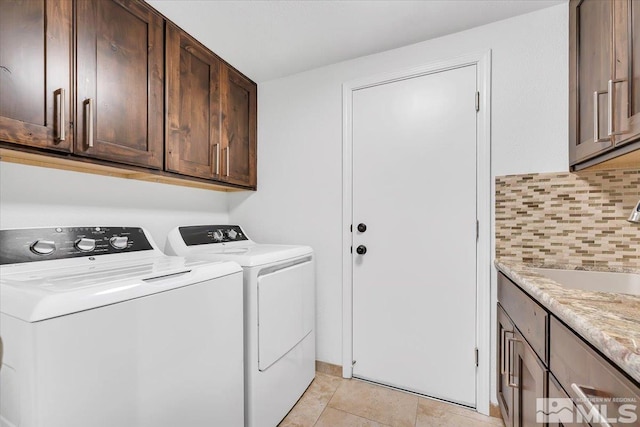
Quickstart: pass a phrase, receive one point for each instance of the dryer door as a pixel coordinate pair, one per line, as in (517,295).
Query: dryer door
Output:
(285,309)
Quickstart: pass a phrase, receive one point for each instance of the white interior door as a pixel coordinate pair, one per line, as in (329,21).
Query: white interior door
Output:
(414,187)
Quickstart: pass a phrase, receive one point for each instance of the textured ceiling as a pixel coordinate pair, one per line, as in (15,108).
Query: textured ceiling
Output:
(271,39)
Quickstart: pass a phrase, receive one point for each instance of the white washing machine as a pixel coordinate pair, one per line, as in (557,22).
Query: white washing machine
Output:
(279,292)
(101,329)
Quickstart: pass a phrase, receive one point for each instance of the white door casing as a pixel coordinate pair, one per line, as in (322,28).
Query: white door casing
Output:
(423,175)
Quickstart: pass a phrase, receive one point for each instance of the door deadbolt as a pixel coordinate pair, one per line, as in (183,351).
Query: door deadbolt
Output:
(362,227)
(361,250)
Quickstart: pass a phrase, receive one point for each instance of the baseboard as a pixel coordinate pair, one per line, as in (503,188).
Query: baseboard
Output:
(494,411)
(328,368)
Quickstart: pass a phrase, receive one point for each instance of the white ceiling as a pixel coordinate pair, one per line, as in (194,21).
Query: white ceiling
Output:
(270,39)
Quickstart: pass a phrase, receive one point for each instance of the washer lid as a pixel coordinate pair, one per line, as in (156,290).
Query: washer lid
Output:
(58,290)
(248,255)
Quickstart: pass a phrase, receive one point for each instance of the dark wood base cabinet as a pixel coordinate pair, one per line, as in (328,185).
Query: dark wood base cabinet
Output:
(92,79)
(563,383)
(522,370)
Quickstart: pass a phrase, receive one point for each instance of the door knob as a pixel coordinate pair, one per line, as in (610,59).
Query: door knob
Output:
(362,227)
(361,250)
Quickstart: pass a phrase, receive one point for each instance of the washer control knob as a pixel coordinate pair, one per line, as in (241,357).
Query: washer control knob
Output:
(218,235)
(361,250)
(43,247)
(232,234)
(85,245)
(119,242)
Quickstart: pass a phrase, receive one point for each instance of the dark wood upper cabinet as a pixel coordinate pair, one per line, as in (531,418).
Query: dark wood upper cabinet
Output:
(239,124)
(120,78)
(113,83)
(193,107)
(604,80)
(625,86)
(211,114)
(36,90)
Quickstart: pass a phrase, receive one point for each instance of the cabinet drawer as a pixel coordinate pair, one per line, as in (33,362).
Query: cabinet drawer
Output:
(557,413)
(529,317)
(579,368)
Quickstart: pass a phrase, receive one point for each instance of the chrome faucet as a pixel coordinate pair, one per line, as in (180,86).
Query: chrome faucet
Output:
(635,214)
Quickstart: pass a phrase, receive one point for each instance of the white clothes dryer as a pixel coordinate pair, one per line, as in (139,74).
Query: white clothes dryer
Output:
(279,302)
(101,329)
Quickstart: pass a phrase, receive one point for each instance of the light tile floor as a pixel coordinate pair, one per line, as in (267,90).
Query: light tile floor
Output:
(336,402)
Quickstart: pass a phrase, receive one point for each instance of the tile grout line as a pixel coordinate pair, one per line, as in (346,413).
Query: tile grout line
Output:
(327,404)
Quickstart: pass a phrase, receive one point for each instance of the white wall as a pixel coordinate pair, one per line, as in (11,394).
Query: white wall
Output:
(300,140)
(33,196)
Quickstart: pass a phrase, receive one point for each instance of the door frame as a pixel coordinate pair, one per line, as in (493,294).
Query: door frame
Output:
(482,61)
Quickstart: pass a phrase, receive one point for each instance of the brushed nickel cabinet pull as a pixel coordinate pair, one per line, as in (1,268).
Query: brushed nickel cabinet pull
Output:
(510,383)
(89,126)
(227,161)
(503,358)
(60,99)
(596,117)
(591,409)
(217,158)
(611,97)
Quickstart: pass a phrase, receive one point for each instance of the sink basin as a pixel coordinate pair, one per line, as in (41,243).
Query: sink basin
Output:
(599,281)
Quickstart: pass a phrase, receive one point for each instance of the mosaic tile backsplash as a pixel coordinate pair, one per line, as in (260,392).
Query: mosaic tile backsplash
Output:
(569,218)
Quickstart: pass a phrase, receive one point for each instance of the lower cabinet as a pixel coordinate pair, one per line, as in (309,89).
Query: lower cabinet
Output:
(542,362)
(529,382)
(504,387)
(522,350)
(522,376)
(600,391)
(557,412)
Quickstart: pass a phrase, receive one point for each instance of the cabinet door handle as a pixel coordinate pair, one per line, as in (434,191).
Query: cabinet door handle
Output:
(60,98)
(503,359)
(227,161)
(596,117)
(590,407)
(510,362)
(611,97)
(217,158)
(89,125)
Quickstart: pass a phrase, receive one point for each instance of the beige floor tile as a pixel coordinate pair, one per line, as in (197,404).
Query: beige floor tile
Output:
(432,413)
(335,418)
(312,402)
(380,404)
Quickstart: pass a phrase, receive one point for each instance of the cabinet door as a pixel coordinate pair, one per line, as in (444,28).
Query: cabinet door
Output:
(560,412)
(505,391)
(590,63)
(193,107)
(625,85)
(35,73)
(530,375)
(120,78)
(239,120)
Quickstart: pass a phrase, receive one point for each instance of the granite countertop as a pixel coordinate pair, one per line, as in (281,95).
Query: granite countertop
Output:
(608,321)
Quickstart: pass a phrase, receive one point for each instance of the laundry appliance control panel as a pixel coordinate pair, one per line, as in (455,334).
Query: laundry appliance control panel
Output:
(38,244)
(206,234)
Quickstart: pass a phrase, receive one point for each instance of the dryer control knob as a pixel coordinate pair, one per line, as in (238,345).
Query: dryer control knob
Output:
(119,242)
(43,247)
(232,234)
(218,236)
(85,245)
